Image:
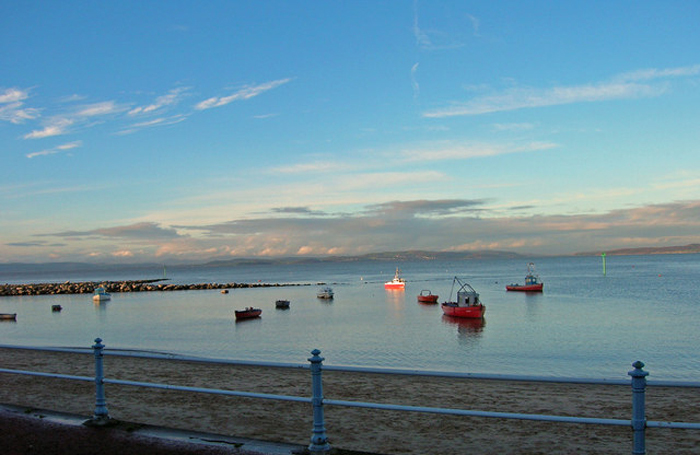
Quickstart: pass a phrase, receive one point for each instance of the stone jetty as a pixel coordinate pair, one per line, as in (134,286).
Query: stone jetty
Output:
(88,287)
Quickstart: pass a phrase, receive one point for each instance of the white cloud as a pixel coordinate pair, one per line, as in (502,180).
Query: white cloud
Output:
(42,153)
(173,97)
(60,124)
(11,110)
(98,109)
(525,97)
(242,94)
(57,127)
(306,168)
(653,73)
(513,126)
(70,145)
(53,151)
(123,254)
(12,95)
(624,86)
(414,81)
(162,121)
(475,24)
(456,151)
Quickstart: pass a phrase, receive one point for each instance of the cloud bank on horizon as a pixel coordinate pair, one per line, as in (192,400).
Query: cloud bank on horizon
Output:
(222,130)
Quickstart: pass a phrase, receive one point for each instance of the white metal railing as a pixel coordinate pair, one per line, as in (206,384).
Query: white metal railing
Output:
(319,441)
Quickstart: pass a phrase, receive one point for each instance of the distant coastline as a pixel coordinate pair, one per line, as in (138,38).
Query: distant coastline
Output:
(692,248)
(389,256)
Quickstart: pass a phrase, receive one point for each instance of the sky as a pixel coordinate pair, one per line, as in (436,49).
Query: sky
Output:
(186,131)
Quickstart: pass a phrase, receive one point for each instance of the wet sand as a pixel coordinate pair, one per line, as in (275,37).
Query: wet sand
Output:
(379,431)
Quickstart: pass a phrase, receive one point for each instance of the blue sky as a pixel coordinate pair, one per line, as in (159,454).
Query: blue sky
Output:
(189,131)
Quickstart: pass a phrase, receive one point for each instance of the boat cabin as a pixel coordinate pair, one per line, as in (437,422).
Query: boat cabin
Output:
(468,298)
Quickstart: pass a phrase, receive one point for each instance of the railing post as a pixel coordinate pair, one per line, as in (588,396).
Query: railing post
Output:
(639,422)
(319,442)
(101,415)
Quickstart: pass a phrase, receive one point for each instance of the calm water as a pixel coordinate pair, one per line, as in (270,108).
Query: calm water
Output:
(584,324)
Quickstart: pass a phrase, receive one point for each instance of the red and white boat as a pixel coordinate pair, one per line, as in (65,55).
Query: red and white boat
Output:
(532,281)
(426,296)
(248,313)
(396,283)
(468,304)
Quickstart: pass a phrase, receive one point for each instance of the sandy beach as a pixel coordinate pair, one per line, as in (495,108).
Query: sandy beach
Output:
(379,431)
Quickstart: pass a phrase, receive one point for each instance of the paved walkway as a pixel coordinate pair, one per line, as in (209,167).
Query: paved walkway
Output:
(34,432)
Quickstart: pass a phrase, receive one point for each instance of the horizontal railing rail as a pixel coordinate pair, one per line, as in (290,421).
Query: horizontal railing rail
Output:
(319,441)
(112,352)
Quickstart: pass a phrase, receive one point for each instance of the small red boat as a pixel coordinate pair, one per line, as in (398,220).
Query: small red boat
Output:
(532,282)
(426,296)
(467,305)
(396,283)
(248,313)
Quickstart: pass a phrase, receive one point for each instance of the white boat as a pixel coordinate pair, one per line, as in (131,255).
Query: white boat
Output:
(101,295)
(325,293)
(396,283)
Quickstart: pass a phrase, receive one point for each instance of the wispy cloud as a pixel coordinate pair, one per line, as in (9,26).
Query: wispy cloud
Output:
(162,121)
(414,81)
(242,94)
(11,106)
(12,95)
(624,86)
(58,149)
(80,115)
(173,97)
(475,24)
(56,127)
(445,35)
(299,168)
(512,126)
(99,109)
(422,39)
(459,151)
(655,73)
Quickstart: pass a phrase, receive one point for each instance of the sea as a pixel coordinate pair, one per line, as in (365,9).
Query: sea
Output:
(593,320)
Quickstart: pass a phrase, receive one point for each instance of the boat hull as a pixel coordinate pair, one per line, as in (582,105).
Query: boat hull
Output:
(282,304)
(8,316)
(427,298)
(397,283)
(471,312)
(101,297)
(525,287)
(248,314)
(325,293)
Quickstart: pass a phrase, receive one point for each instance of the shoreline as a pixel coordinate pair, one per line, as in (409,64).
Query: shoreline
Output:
(88,287)
(378,431)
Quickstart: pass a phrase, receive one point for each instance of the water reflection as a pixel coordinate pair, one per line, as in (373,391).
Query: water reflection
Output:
(467,328)
(396,298)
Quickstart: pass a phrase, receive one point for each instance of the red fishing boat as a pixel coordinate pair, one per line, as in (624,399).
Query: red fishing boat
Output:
(396,283)
(468,304)
(532,281)
(248,313)
(426,296)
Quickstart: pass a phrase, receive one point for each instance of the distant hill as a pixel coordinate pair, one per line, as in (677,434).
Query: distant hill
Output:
(384,256)
(687,249)
(388,256)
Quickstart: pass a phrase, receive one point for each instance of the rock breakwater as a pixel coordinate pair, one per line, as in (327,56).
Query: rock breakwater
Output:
(88,287)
